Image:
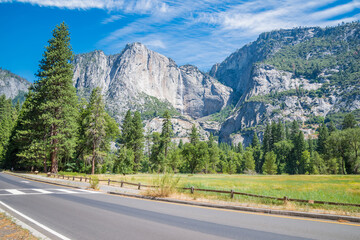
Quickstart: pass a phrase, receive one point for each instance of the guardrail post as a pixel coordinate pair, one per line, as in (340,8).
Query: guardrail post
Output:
(63,176)
(85,179)
(108,181)
(232,193)
(192,189)
(285,199)
(139,185)
(122,183)
(73,178)
(80,179)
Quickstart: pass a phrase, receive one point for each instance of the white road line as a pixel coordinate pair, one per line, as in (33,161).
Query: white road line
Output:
(14,191)
(41,191)
(25,181)
(87,191)
(35,222)
(66,191)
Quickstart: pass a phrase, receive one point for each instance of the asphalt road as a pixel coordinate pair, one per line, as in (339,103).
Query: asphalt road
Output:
(65,213)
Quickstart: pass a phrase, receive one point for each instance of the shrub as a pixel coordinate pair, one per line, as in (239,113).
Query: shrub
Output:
(94,182)
(166,185)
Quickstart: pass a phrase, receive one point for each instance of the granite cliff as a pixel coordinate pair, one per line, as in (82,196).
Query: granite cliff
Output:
(12,85)
(304,74)
(143,80)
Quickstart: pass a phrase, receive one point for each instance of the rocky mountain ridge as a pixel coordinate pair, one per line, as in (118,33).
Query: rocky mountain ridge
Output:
(137,76)
(12,85)
(299,74)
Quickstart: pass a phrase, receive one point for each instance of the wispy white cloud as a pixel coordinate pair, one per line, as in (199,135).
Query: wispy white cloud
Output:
(336,11)
(134,6)
(203,32)
(210,30)
(111,19)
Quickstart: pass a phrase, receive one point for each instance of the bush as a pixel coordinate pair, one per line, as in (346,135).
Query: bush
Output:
(166,185)
(94,182)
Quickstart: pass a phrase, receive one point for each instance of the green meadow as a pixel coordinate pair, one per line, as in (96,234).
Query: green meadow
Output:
(335,188)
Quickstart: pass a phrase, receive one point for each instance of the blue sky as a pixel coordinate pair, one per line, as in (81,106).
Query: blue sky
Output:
(188,31)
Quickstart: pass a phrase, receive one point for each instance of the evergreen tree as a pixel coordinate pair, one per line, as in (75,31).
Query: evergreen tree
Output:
(349,121)
(273,135)
(287,132)
(294,131)
(283,150)
(195,156)
(337,153)
(95,127)
(124,162)
(240,148)
(332,127)
(148,141)
(156,156)
(138,139)
(249,162)
(190,160)
(267,139)
(276,133)
(181,144)
(322,138)
(281,135)
(269,166)
(257,153)
(299,148)
(255,141)
(28,145)
(166,133)
(174,158)
(304,166)
(317,164)
(126,130)
(194,135)
(8,117)
(56,97)
(213,154)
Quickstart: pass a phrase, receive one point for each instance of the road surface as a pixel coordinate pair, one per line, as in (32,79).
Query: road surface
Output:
(67,213)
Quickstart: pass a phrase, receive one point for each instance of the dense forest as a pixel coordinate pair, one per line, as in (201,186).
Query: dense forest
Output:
(55,131)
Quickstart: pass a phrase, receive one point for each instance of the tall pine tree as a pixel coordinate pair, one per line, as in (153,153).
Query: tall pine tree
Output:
(138,139)
(166,133)
(57,100)
(95,127)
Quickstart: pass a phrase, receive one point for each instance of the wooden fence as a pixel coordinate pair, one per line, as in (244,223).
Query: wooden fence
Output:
(192,190)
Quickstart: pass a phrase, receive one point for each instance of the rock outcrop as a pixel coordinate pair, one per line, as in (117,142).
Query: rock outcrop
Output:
(137,75)
(291,75)
(12,85)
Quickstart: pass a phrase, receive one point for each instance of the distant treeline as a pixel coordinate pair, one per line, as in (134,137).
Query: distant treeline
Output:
(283,149)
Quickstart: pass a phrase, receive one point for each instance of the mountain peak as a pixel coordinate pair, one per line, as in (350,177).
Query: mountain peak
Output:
(136,46)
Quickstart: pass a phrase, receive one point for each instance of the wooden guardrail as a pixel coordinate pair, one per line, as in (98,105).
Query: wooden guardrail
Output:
(192,190)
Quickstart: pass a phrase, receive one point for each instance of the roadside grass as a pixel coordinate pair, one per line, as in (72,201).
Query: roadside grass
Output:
(332,188)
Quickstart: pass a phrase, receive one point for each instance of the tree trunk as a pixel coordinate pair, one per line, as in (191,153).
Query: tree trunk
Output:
(54,163)
(93,160)
(45,166)
(53,154)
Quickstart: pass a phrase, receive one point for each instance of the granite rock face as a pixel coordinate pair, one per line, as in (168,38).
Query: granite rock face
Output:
(12,85)
(266,93)
(137,74)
